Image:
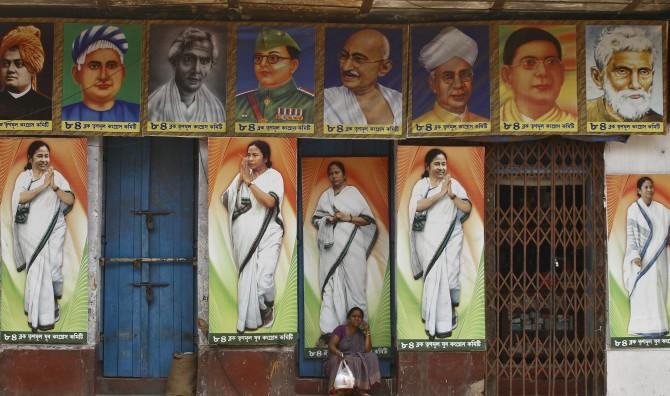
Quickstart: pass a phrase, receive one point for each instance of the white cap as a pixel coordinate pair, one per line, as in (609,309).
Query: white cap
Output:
(449,43)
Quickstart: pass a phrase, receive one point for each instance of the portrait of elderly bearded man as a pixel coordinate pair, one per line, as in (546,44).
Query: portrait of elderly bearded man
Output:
(361,99)
(21,60)
(533,70)
(186,97)
(624,71)
(278,99)
(449,57)
(98,69)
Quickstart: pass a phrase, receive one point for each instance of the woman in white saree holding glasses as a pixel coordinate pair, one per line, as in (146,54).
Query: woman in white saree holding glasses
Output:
(346,235)
(40,201)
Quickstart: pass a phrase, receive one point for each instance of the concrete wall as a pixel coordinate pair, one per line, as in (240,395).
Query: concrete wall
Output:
(642,371)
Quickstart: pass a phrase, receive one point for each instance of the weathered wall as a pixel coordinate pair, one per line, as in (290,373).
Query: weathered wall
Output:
(638,371)
(441,373)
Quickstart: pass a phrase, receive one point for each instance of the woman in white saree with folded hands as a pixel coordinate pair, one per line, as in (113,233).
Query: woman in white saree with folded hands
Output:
(253,200)
(437,207)
(645,266)
(40,201)
(346,235)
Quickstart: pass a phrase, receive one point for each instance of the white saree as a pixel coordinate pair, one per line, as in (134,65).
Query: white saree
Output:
(647,233)
(342,262)
(435,254)
(38,247)
(165,105)
(256,233)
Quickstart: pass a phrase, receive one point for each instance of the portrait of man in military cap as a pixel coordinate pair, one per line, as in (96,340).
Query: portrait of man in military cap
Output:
(26,53)
(100,70)
(275,75)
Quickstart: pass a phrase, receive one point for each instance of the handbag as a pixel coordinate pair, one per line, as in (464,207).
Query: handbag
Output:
(344,380)
(21,215)
(419,222)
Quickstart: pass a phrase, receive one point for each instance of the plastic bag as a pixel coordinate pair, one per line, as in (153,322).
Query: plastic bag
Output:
(344,380)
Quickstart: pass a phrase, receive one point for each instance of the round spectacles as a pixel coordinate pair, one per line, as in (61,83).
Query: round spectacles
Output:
(532,63)
(271,59)
(358,59)
(449,77)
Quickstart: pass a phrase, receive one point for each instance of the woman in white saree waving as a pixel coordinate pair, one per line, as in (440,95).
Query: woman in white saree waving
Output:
(645,266)
(346,235)
(437,207)
(253,201)
(40,201)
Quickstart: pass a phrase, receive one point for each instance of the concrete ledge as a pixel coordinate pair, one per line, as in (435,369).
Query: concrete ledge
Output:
(440,373)
(243,371)
(38,372)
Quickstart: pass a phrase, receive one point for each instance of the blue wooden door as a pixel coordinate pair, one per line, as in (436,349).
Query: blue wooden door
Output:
(148,304)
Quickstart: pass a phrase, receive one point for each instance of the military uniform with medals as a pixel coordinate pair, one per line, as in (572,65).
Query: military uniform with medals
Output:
(285,104)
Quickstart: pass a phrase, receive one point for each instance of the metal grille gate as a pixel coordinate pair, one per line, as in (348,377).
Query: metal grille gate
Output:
(546,269)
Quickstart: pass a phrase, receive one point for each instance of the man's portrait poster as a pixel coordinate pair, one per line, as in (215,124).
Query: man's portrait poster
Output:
(638,220)
(44,226)
(363,81)
(450,79)
(253,258)
(538,78)
(440,248)
(624,70)
(187,79)
(275,80)
(26,75)
(102,77)
(345,248)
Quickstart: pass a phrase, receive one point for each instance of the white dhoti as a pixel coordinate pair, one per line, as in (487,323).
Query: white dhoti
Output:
(647,233)
(257,234)
(343,254)
(435,254)
(340,106)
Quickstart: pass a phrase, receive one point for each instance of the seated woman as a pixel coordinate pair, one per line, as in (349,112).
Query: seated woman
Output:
(353,343)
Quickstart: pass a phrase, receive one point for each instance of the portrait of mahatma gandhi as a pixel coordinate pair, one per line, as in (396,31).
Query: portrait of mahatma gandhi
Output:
(449,59)
(276,61)
(190,56)
(360,98)
(623,74)
(99,70)
(533,70)
(22,59)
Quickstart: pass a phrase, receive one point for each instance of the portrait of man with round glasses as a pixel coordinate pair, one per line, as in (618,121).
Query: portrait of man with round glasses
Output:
(187,73)
(533,74)
(450,77)
(363,76)
(275,75)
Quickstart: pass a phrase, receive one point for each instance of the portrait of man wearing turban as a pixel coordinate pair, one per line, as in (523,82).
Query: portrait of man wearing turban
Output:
(21,60)
(99,71)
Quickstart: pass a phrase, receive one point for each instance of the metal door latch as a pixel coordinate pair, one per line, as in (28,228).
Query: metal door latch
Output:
(150,216)
(149,289)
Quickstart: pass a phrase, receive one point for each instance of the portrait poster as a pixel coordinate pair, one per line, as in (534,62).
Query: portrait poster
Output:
(26,76)
(451,80)
(538,79)
(275,81)
(102,78)
(363,70)
(44,283)
(638,295)
(357,263)
(625,87)
(259,305)
(187,79)
(437,295)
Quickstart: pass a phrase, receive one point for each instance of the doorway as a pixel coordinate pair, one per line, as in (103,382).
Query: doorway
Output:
(149,249)
(546,268)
